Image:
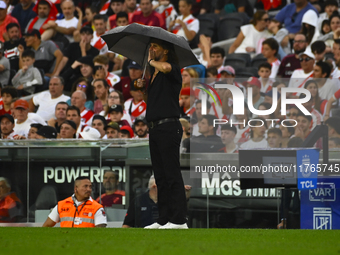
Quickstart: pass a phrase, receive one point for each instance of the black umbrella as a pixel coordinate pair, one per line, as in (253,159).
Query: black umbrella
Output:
(132,41)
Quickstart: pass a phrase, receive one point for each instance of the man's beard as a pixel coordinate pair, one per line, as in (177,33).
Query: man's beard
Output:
(141,133)
(297,52)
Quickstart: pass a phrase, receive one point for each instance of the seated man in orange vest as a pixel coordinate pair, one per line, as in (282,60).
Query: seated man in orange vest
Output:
(79,210)
(10,204)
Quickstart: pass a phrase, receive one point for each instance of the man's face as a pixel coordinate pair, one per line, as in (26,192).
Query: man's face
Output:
(268,52)
(303,123)
(99,125)
(6,126)
(203,127)
(300,44)
(227,136)
(124,135)
(307,63)
(122,22)
(32,133)
(100,70)
(156,51)
(13,34)
(112,133)
(319,56)
(55,87)
(186,101)
(110,181)
(141,129)
(20,114)
(3,14)
(335,23)
(264,73)
(216,60)
(28,61)
(43,10)
(3,189)
(99,89)
(100,26)
(117,7)
(336,52)
(259,131)
(146,7)
(135,73)
(292,114)
(329,9)
(137,95)
(6,98)
(318,72)
(86,70)
(274,140)
(131,4)
(73,115)
(116,116)
(86,37)
(67,131)
(29,39)
(83,189)
(60,111)
(78,100)
(67,7)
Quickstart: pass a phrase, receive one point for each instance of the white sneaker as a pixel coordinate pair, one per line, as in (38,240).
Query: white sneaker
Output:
(174,226)
(154,226)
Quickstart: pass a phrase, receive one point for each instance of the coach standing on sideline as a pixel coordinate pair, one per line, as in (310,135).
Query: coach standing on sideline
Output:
(79,210)
(165,133)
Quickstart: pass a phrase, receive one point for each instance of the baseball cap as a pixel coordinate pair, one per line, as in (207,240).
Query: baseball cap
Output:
(20,103)
(87,60)
(129,129)
(254,81)
(116,108)
(3,5)
(8,116)
(71,123)
(308,52)
(134,65)
(90,133)
(228,70)
(33,32)
(47,132)
(36,125)
(101,118)
(86,29)
(113,125)
(141,119)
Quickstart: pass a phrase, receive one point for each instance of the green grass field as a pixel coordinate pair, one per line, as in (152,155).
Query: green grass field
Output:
(60,241)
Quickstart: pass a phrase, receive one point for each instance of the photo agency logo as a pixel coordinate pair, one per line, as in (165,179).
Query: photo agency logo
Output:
(239,99)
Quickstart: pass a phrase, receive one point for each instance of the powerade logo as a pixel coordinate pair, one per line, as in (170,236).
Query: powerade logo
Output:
(324,192)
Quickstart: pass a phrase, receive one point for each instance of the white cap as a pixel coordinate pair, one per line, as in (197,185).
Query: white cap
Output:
(310,18)
(90,133)
(3,5)
(308,52)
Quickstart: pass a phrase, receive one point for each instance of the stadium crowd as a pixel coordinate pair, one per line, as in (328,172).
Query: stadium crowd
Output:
(59,78)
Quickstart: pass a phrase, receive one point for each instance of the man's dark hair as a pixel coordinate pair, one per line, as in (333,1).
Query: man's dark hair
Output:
(93,7)
(274,131)
(43,2)
(331,2)
(73,108)
(10,25)
(217,50)
(200,101)
(265,65)
(80,178)
(325,68)
(9,90)
(106,85)
(334,122)
(212,70)
(318,47)
(100,17)
(229,127)
(272,43)
(254,122)
(295,142)
(61,102)
(122,15)
(28,54)
(308,117)
(61,79)
(210,118)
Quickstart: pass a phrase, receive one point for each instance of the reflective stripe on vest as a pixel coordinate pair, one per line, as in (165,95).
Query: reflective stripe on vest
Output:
(82,219)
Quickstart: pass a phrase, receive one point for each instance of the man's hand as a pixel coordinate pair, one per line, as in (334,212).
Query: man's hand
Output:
(82,45)
(21,49)
(250,49)
(76,64)
(24,68)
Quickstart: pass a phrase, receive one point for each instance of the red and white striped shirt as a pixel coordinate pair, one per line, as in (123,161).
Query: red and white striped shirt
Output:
(112,79)
(86,117)
(135,110)
(99,43)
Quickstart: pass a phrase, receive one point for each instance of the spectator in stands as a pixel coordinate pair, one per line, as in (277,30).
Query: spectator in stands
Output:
(101,67)
(101,90)
(270,49)
(302,129)
(47,100)
(112,130)
(112,194)
(11,46)
(291,15)
(274,137)
(292,113)
(5,19)
(188,74)
(60,116)
(5,66)
(309,26)
(130,6)
(84,85)
(257,134)
(280,35)
(46,132)
(326,87)
(122,19)
(23,12)
(7,95)
(7,127)
(287,131)
(208,141)
(33,130)
(264,71)
(255,84)
(99,22)
(46,11)
(116,114)
(312,87)
(80,49)
(230,6)
(330,7)
(228,133)
(319,50)
(316,115)
(334,142)
(147,16)
(325,27)
(68,130)
(136,106)
(47,54)
(141,127)
(336,52)
(78,99)
(166,9)
(242,127)
(330,104)
(185,25)
(73,113)
(22,120)
(90,11)
(187,102)
(250,38)
(300,76)
(11,208)
(99,123)
(28,76)
(334,34)
(217,55)
(333,124)
(117,7)
(65,26)
(291,62)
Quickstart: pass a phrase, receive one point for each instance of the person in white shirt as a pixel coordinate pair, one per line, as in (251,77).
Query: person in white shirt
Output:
(330,7)
(99,122)
(270,48)
(327,87)
(79,99)
(257,135)
(47,100)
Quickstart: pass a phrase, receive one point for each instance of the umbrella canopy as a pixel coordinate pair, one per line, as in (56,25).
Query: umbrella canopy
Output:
(133,41)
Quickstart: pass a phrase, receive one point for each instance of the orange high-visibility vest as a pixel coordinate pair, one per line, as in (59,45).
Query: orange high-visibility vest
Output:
(77,217)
